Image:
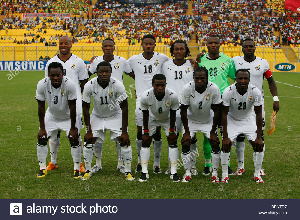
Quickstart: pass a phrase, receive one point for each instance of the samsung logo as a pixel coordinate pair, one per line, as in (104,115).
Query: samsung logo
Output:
(284,67)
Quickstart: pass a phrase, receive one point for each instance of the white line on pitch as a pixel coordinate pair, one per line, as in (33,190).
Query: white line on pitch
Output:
(288,84)
(284,97)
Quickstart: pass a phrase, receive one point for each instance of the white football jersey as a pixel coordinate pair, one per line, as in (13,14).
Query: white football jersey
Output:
(118,64)
(200,104)
(57,99)
(144,70)
(106,101)
(177,76)
(241,106)
(159,110)
(75,69)
(259,68)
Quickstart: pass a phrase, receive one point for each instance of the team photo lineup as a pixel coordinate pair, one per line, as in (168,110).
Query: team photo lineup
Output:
(182,96)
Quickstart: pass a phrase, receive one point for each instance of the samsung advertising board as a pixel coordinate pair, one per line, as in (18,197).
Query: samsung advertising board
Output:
(22,65)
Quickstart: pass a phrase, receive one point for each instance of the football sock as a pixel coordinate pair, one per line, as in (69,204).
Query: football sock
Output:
(138,149)
(120,158)
(215,162)
(98,153)
(173,156)
(259,156)
(207,152)
(53,145)
(126,153)
(194,154)
(88,156)
(187,163)
(225,157)
(76,154)
(240,150)
(145,156)
(157,146)
(42,152)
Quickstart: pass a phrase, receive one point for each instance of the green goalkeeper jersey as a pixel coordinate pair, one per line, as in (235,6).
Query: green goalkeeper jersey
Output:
(219,70)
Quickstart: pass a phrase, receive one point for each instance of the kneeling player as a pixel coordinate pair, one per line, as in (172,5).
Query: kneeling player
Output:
(160,102)
(110,113)
(238,118)
(200,111)
(60,94)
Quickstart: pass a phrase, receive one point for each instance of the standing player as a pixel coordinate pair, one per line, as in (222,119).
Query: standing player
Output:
(60,93)
(159,105)
(220,67)
(239,100)
(145,66)
(259,69)
(200,111)
(110,113)
(119,66)
(75,69)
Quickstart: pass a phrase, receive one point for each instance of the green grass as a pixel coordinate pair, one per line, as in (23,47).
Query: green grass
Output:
(19,166)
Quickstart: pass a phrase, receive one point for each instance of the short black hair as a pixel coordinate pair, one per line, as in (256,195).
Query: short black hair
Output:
(109,40)
(56,65)
(240,70)
(182,42)
(158,77)
(214,35)
(104,63)
(248,39)
(151,36)
(201,69)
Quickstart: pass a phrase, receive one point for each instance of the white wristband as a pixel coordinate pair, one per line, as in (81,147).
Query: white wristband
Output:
(275,99)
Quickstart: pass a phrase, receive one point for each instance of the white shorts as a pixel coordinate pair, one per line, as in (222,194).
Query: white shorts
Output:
(153,124)
(247,127)
(195,126)
(54,125)
(101,125)
(138,114)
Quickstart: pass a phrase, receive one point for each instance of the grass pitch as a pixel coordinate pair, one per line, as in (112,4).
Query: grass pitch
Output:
(19,165)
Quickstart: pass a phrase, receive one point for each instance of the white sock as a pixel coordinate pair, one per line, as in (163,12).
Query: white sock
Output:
(240,150)
(138,149)
(145,156)
(42,152)
(173,156)
(157,146)
(259,156)
(225,157)
(120,158)
(88,156)
(98,153)
(187,163)
(76,154)
(126,152)
(53,145)
(215,163)
(194,154)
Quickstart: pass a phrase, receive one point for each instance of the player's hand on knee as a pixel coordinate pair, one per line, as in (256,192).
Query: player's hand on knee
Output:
(258,145)
(89,138)
(42,136)
(73,135)
(172,139)
(147,139)
(124,139)
(226,145)
(214,140)
(186,140)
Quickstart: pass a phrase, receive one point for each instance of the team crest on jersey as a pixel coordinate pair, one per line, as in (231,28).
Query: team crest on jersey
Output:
(167,104)
(156,63)
(188,71)
(111,93)
(250,99)
(117,66)
(207,97)
(223,66)
(73,66)
(257,67)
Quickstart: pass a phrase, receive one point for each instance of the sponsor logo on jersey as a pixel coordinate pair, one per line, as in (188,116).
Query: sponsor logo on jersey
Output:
(188,71)
(257,67)
(250,99)
(207,97)
(117,66)
(223,66)
(63,93)
(111,93)
(156,63)
(285,67)
(73,66)
(167,104)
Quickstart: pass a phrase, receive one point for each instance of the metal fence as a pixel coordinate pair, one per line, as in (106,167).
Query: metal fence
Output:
(33,53)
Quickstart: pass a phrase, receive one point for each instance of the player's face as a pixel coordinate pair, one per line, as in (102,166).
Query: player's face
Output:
(213,45)
(201,80)
(104,73)
(242,81)
(108,47)
(248,48)
(65,45)
(56,76)
(148,45)
(179,51)
(159,87)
